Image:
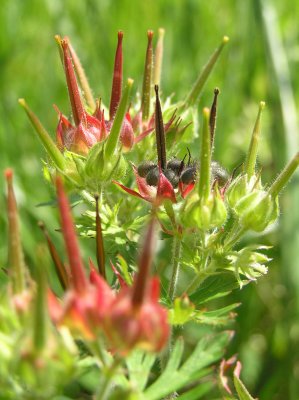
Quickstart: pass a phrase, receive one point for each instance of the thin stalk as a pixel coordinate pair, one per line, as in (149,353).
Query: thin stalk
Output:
(234,238)
(177,240)
(159,57)
(253,147)
(160,133)
(113,137)
(284,176)
(72,84)
(79,280)
(16,262)
(203,76)
(44,136)
(213,116)
(205,158)
(147,78)
(40,309)
(117,80)
(60,268)
(86,89)
(105,388)
(100,251)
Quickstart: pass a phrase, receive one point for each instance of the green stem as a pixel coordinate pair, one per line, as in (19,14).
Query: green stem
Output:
(45,138)
(147,78)
(40,309)
(159,57)
(112,140)
(108,375)
(177,240)
(253,147)
(202,78)
(204,270)
(205,157)
(96,349)
(234,238)
(284,176)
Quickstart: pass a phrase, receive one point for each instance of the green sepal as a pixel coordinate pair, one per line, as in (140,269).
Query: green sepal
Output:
(257,210)
(204,213)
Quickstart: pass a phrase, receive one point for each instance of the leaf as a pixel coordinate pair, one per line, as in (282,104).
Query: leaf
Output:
(139,366)
(239,385)
(175,377)
(215,286)
(198,392)
(220,316)
(182,311)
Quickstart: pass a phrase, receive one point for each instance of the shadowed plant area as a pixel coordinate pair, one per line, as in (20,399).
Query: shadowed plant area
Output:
(150,244)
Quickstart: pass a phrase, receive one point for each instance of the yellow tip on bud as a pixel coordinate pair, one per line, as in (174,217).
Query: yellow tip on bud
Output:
(161,32)
(206,112)
(262,105)
(225,39)
(130,82)
(22,102)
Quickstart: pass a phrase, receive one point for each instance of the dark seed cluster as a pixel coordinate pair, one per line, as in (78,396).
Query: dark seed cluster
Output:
(177,171)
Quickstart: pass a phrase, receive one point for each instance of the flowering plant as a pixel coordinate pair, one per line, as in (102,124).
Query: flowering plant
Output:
(115,333)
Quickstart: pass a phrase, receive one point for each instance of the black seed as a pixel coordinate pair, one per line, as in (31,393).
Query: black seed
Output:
(172,177)
(152,177)
(219,173)
(175,165)
(188,175)
(145,167)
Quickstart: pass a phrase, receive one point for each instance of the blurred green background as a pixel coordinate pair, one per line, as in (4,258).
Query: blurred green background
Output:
(260,63)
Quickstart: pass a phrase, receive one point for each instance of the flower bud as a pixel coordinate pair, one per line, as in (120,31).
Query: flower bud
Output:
(204,213)
(257,210)
(127,134)
(241,187)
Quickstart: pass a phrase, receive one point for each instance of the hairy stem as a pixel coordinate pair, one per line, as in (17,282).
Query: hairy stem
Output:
(175,266)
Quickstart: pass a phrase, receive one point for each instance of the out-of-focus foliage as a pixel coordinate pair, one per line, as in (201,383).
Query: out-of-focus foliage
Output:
(268,328)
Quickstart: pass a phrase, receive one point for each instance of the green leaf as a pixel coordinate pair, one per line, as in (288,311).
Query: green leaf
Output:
(215,286)
(239,385)
(182,311)
(198,392)
(139,366)
(175,377)
(221,316)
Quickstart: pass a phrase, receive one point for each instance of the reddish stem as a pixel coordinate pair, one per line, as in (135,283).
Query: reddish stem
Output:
(71,242)
(117,77)
(141,280)
(72,85)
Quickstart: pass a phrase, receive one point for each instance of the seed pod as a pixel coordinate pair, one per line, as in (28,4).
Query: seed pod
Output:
(152,177)
(172,177)
(188,175)
(219,173)
(175,165)
(144,168)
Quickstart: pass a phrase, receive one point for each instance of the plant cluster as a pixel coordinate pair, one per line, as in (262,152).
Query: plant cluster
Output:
(139,165)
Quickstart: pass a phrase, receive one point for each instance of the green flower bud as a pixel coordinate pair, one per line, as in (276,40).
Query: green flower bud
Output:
(241,187)
(257,210)
(203,213)
(100,168)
